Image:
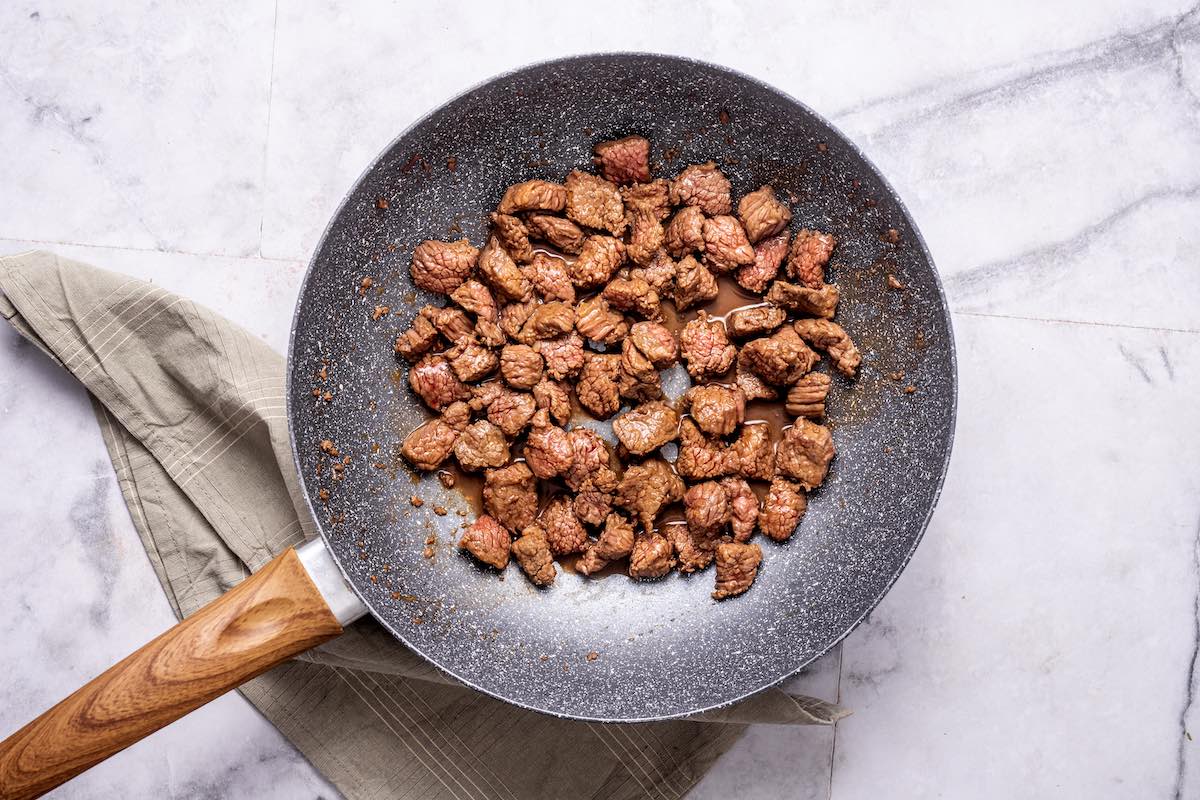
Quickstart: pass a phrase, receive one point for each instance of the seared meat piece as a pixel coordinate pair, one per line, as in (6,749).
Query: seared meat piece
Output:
(510,411)
(725,245)
(754,320)
(415,341)
(480,446)
(451,323)
(514,315)
(804,453)
(596,321)
(813,302)
(653,198)
(751,385)
(442,266)
(592,506)
(472,361)
(830,337)
(705,347)
(591,464)
(751,454)
(429,445)
(616,541)
(550,278)
(684,234)
(457,415)
(737,567)
(563,530)
(646,488)
(624,160)
(513,236)
(743,507)
(782,510)
(501,273)
(548,451)
(632,294)
(597,261)
(487,541)
(558,231)
(808,256)
(647,427)
(520,366)
(691,553)
(489,332)
(703,186)
(485,394)
(595,203)
(554,397)
(435,383)
(510,495)
(645,238)
(638,380)
(532,552)
(597,388)
(660,273)
(563,356)
(651,557)
(768,255)
(781,358)
(655,342)
(700,458)
(694,284)
(717,410)
(473,296)
(548,321)
(706,508)
(763,214)
(807,397)
(535,195)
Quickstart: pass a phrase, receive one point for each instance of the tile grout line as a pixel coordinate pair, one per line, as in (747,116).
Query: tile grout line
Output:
(133,249)
(1053,321)
(262,217)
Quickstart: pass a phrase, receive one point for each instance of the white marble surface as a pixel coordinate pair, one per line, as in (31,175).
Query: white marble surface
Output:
(1043,641)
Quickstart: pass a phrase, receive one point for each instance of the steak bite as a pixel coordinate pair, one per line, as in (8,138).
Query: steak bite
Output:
(416,341)
(653,198)
(532,552)
(429,445)
(768,255)
(597,261)
(684,234)
(751,454)
(559,232)
(433,380)
(510,495)
(550,278)
(804,453)
(813,302)
(646,488)
(725,245)
(705,347)
(743,507)
(548,451)
(520,366)
(633,295)
(514,315)
(616,541)
(510,411)
(703,186)
(592,506)
(563,355)
(646,236)
(595,320)
(638,380)
(651,557)
(513,236)
(487,541)
(563,531)
(694,284)
(807,397)
(763,214)
(646,428)
(476,298)
(554,397)
(692,553)
(591,463)
(833,339)
(480,446)
(737,567)
(751,385)
(442,266)
(624,160)
(501,273)
(754,320)
(700,458)
(660,273)
(535,195)
(451,323)
(472,361)
(706,508)
(808,256)
(717,410)
(547,322)
(782,509)
(595,203)
(597,389)
(655,342)
(457,415)
(490,333)
(780,359)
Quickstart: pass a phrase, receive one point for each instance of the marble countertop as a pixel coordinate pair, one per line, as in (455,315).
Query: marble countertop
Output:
(1045,636)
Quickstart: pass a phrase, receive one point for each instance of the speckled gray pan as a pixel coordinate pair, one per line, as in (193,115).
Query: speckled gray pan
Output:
(659,649)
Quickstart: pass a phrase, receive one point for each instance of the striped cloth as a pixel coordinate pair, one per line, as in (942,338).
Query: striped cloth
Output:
(192,410)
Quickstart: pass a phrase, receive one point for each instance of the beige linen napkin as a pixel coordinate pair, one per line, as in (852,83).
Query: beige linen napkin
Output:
(192,409)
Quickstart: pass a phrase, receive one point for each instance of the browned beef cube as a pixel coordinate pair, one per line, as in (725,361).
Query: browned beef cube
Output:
(562,527)
(429,445)
(595,320)
(624,160)
(703,186)
(751,385)
(616,541)
(597,389)
(754,320)
(457,415)
(476,298)
(725,245)
(655,342)
(700,458)
(520,366)
(660,273)
(807,397)
(646,488)
(595,203)
(554,397)
(706,508)
(563,355)
(548,451)
(591,460)
(737,567)
(535,195)
(633,295)
(763,214)
(532,552)
(510,411)
(782,510)
(638,380)
(652,557)
(814,302)
(830,337)
(592,506)
(550,278)
(718,410)
(480,446)
(695,285)
(646,237)
(485,394)
(489,333)
(751,454)
(501,273)
(597,261)
(705,347)
(472,361)
(510,495)
(692,553)
(451,323)
(768,255)
(781,358)
(434,381)
(487,541)
(684,234)
(558,231)
(513,236)
(653,198)
(417,340)
(442,266)
(514,315)
(548,321)
(743,507)
(647,427)
(808,256)
(804,453)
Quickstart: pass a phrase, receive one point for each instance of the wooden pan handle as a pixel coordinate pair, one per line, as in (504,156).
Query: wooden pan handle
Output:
(270,617)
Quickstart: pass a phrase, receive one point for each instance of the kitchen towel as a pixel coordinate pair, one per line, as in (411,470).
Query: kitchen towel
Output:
(192,410)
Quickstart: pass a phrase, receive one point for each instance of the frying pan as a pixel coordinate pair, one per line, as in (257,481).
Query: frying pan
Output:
(607,649)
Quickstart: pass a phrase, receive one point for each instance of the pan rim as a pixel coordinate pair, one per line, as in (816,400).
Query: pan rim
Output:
(943,467)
